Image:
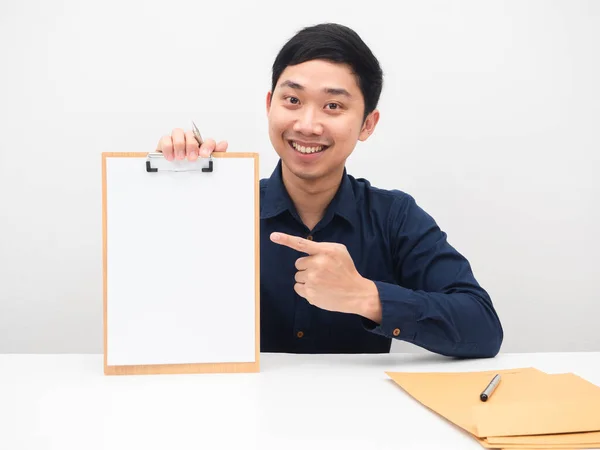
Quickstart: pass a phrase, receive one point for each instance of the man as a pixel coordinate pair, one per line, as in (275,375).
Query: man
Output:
(347,267)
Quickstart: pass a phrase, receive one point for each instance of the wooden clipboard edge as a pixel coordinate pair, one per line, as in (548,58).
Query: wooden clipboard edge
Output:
(192,368)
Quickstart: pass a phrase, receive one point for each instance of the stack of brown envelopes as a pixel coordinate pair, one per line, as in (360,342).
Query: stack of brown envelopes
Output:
(529,409)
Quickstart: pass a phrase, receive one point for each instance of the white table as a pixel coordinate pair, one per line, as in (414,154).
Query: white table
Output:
(303,402)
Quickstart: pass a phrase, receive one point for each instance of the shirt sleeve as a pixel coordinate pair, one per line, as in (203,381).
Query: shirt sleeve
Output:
(436,302)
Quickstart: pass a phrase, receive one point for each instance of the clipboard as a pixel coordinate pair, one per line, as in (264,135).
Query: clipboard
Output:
(181,263)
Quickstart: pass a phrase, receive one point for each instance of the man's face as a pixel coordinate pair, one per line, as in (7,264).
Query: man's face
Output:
(316,117)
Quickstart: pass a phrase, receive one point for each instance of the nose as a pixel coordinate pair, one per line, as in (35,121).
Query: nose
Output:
(308,123)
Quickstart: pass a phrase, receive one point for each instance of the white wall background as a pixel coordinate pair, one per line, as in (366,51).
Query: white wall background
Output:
(490,116)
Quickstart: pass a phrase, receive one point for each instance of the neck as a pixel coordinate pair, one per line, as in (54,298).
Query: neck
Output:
(311,197)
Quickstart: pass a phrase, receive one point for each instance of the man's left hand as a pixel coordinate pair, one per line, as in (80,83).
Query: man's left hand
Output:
(327,277)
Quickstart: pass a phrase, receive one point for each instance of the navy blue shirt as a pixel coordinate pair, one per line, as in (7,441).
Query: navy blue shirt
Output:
(429,296)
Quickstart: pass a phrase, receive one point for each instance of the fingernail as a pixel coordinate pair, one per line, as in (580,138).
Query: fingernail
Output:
(204,153)
(275,236)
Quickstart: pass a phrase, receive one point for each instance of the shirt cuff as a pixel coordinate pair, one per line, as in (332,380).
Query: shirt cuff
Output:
(400,309)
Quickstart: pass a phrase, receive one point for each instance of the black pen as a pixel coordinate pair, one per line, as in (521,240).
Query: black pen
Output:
(487,392)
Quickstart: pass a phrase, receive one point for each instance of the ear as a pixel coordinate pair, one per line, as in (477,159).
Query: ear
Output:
(269,98)
(369,126)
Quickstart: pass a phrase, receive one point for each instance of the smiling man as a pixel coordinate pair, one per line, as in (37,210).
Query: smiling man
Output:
(346,267)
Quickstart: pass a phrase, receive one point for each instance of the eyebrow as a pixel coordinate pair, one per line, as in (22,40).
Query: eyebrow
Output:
(328,90)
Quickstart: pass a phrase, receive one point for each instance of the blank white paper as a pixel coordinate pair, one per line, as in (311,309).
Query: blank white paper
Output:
(180,263)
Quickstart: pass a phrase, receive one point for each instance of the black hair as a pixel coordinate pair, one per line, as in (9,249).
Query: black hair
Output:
(336,43)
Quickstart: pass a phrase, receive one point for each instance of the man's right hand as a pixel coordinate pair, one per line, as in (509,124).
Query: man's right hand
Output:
(182,144)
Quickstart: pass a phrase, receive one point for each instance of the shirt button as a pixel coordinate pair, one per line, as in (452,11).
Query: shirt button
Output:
(396,331)
(309,237)
(300,334)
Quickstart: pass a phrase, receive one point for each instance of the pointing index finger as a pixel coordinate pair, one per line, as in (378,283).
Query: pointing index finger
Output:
(295,242)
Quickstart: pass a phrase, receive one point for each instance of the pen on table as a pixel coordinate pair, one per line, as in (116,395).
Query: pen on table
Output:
(487,392)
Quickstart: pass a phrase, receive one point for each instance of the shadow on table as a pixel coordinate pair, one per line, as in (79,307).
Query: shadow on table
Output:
(383,361)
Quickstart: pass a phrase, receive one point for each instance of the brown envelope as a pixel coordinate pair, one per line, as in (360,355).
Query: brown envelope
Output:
(550,447)
(561,403)
(453,395)
(591,439)
(588,445)
(529,409)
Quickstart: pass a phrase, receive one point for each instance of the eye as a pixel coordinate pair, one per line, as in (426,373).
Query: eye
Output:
(333,105)
(292,100)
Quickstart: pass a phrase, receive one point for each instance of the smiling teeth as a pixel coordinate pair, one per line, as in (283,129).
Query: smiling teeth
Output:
(302,149)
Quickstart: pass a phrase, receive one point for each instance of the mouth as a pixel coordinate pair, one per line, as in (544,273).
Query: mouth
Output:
(307,149)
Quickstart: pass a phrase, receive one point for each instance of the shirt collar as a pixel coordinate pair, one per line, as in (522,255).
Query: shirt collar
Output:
(277,200)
